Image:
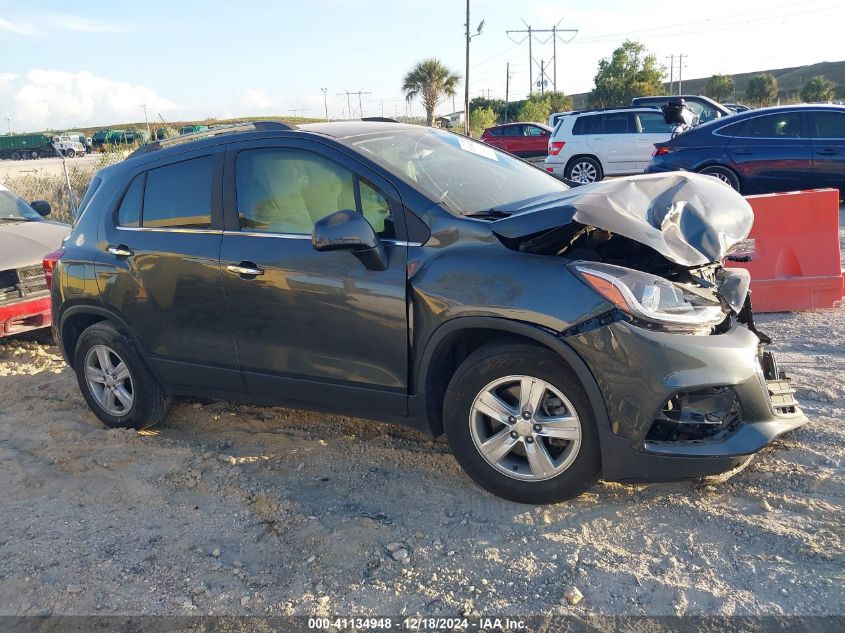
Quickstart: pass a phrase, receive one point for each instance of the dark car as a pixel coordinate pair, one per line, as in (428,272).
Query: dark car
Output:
(520,139)
(737,107)
(703,107)
(783,148)
(413,275)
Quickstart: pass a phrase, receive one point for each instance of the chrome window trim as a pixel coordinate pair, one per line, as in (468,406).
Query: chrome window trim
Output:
(305,236)
(161,229)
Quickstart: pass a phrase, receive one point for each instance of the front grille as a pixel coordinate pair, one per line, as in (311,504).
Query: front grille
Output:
(23,283)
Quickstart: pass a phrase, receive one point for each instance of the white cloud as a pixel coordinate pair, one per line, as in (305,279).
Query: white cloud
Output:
(54,98)
(15,27)
(253,99)
(79,24)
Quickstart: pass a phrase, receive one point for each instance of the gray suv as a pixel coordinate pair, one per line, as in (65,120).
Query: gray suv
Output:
(411,275)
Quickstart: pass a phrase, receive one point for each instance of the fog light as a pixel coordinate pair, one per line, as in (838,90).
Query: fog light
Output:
(696,415)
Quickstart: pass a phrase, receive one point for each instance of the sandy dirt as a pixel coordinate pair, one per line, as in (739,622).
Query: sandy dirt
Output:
(232,509)
(43,166)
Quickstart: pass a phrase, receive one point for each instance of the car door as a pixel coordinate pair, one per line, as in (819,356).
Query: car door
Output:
(772,152)
(827,129)
(536,140)
(158,270)
(651,129)
(316,328)
(513,140)
(616,145)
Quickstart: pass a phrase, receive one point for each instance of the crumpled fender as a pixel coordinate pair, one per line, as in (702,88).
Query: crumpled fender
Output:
(690,219)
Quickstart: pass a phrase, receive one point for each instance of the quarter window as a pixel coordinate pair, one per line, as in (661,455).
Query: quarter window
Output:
(179,195)
(289,190)
(828,124)
(129,213)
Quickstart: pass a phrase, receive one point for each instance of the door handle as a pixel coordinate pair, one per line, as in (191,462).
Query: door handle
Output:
(828,151)
(121,250)
(245,269)
(743,152)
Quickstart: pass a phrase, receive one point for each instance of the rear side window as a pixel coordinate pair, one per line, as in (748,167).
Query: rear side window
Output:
(618,123)
(827,124)
(734,129)
(494,131)
(512,130)
(779,125)
(588,125)
(179,195)
(129,213)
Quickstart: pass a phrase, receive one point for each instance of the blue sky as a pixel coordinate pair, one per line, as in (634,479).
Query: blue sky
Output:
(86,63)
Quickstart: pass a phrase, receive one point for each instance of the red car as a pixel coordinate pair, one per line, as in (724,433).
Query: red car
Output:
(520,139)
(25,237)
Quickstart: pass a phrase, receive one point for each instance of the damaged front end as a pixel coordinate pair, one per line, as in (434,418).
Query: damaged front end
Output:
(653,247)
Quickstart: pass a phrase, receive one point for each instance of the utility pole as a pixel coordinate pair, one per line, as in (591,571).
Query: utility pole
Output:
(531,33)
(325,102)
(144,106)
(9,123)
(466,74)
(672,74)
(542,80)
(507,86)
(681,74)
(302,112)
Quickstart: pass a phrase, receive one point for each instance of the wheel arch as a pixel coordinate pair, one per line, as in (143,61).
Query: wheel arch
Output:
(454,340)
(715,163)
(575,157)
(75,319)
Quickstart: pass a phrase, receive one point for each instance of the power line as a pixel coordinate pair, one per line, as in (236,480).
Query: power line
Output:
(531,34)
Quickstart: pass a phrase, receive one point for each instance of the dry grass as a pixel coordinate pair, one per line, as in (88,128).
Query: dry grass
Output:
(52,187)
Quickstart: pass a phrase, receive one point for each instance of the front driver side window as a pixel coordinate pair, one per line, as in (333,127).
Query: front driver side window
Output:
(289,190)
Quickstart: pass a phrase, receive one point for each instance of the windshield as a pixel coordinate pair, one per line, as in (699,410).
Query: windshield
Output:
(13,208)
(467,176)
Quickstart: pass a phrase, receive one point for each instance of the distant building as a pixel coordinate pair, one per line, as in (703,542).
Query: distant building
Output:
(449,121)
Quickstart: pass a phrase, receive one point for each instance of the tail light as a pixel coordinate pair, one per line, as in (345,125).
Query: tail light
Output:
(555,147)
(49,263)
(660,151)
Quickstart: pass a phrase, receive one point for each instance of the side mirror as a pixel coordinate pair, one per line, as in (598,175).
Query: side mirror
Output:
(348,230)
(42,207)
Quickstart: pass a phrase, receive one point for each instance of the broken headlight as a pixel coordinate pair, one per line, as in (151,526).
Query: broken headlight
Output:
(651,299)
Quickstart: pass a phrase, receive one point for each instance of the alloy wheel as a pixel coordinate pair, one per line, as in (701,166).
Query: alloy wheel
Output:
(525,428)
(109,380)
(583,172)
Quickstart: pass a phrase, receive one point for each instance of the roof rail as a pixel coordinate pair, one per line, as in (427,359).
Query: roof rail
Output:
(253,126)
(627,107)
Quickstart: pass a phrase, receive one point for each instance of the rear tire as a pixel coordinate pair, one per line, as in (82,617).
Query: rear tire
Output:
(529,461)
(584,169)
(115,380)
(725,174)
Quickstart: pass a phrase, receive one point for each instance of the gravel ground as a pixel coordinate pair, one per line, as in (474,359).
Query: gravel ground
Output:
(244,510)
(232,509)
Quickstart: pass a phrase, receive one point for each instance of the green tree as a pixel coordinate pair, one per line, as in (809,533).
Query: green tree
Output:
(719,87)
(762,89)
(630,72)
(536,108)
(818,89)
(559,102)
(431,81)
(480,119)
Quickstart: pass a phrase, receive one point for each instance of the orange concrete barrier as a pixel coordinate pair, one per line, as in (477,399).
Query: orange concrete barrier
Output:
(795,263)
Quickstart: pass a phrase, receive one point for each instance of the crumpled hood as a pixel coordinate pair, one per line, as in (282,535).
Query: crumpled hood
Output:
(26,243)
(688,218)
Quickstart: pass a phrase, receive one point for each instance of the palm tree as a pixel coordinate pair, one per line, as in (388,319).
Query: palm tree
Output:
(431,81)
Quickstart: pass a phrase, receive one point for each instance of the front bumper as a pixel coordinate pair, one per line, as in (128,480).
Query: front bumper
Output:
(22,316)
(639,370)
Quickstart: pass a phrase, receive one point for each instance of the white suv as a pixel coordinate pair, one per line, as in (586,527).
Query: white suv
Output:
(589,145)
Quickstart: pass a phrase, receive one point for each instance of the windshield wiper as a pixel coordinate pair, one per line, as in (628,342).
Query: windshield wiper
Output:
(488,213)
(15,218)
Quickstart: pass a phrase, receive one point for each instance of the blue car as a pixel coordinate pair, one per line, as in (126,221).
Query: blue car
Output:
(785,148)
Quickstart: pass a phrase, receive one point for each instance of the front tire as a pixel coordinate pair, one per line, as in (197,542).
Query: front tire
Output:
(115,381)
(70,153)
(725,174)
(584,169)
(520,424)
